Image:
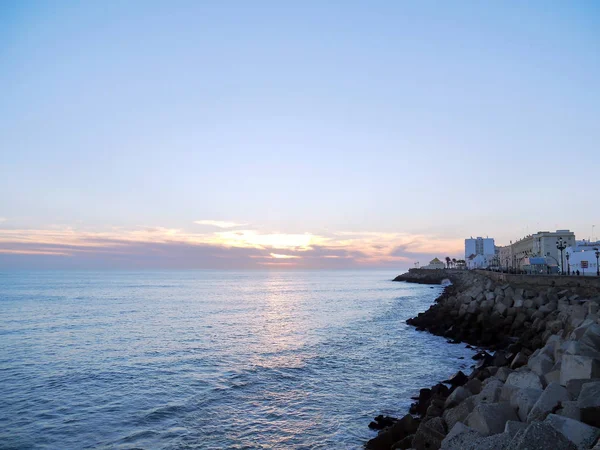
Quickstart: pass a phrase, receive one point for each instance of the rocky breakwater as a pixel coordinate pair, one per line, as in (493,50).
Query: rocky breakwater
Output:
(424,276)
(540,389)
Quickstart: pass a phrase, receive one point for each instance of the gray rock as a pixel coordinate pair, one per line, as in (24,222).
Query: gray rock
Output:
(581,329)
(523,401)
(507,392)
(460,436)
(494,442)
(490,392)
(577,367)
(490,418)
(514,426)
(554,325)
(580,434)
(541,364)
(503,373)
(430,434)
(501,308)
(570,410)
(524,379)
(518,302)
(528,304)
(486,306)
(580,348)
(474,386)
(540,436)
(591,337)
(458,395)
(459,413)
(589,395)
(574,386)
(519,360)
(549,401)
(472,308)
(552,377)
(508,301)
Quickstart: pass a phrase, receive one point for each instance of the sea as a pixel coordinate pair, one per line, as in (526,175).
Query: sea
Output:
(211,359)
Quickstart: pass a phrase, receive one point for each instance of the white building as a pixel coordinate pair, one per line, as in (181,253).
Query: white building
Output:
(541,244)
(479,252)
(582,257)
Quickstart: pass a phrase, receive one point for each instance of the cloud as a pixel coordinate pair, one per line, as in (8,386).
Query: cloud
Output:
(2,219)
(220,223)
(160,247)
(280,256)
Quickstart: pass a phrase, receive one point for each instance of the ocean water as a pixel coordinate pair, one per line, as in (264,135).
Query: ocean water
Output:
(210,359)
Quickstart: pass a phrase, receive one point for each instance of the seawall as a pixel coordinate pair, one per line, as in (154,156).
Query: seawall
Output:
(540,388)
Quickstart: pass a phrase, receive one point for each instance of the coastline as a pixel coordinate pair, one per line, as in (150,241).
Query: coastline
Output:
(530,328)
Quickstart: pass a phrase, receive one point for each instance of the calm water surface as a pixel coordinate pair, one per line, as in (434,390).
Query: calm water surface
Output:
(210,360)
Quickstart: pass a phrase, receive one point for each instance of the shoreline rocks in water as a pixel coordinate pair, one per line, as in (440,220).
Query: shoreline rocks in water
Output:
(537,386)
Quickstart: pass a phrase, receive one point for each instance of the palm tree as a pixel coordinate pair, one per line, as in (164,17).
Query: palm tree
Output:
(454,263)
(448,260)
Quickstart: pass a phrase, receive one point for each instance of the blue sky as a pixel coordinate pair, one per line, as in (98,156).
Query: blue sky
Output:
(383,132)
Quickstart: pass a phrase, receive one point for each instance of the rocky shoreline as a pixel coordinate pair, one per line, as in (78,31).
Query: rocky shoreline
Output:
(535,386)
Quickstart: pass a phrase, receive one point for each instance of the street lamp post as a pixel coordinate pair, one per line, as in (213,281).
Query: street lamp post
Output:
(597,253)
(561,245)
(568,265)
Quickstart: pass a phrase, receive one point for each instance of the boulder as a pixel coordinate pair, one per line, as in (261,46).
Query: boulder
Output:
(541,364)
(507,392)
(524,379)
(574,386)
(523,400)
(490,418)
(570,410)
(386,438)
(459,413)
(580,434)
(501,308)
(541,436)
(550,401)
(514,426)
(460,436)
(591,337)
(458,395)
(519,360)
(503,373)
(589,403)
(472,308)
(552,377)
(474,386)
(490,392)
(494,442)
(528,304)
(430,434)
(458,379)
(577,367)
(554,326)
(578,332)
(508,301)
(518,302)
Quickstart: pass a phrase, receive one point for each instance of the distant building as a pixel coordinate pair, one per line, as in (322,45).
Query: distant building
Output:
(434,264)
(582,257)
(479,252)
(542,244)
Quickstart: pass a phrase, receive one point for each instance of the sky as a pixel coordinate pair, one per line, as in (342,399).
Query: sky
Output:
(292,134)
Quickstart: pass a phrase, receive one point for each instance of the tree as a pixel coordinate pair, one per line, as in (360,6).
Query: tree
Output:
(448,260)
(454,262)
